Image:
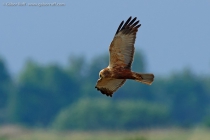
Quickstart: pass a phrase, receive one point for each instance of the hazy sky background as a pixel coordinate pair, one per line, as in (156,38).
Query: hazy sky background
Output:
(174,34)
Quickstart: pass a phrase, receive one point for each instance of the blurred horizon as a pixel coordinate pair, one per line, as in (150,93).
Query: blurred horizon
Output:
(64,98)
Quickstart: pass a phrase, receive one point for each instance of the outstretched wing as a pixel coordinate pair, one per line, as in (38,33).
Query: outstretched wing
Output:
(122,47)
(109,85)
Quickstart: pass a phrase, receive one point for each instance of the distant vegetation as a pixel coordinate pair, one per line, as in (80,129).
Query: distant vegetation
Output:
(18,133)
(63,98)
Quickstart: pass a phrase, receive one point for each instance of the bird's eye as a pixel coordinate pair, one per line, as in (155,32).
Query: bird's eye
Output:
(100,75)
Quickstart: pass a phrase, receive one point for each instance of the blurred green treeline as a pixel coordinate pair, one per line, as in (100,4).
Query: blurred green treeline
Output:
(61,97)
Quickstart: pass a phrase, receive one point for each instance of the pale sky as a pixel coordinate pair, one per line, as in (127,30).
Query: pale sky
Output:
(174,34)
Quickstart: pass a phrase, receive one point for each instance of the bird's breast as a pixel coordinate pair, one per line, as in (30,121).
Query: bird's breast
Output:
(121,73)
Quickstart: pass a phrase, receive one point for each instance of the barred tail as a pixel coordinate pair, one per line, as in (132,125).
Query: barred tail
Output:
(144,78)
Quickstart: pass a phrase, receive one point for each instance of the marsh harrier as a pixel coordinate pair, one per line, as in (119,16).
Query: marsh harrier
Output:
(121,57)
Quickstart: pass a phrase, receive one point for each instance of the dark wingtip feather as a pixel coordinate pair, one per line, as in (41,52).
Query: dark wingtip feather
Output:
(119,27)
(132,21)
(126,23)
(133,25)
(130,26)
(105,91)
(138,26)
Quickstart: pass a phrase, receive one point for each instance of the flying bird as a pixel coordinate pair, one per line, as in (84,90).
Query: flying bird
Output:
(121,53)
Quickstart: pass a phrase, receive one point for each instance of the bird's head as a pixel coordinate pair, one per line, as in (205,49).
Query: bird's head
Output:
(104,73)
(101,75)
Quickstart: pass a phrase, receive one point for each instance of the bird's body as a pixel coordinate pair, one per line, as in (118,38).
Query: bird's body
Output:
(121,58)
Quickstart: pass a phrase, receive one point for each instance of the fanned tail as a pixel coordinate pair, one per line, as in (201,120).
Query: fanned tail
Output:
(146,78)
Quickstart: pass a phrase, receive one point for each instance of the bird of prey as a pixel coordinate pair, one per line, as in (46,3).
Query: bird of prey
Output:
(121,53)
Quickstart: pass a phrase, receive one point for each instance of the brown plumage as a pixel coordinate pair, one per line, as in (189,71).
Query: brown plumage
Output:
(121,57)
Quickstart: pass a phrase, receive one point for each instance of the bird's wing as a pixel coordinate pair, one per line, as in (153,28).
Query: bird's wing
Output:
(109,85)
(122,47)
